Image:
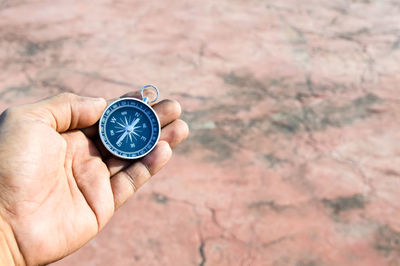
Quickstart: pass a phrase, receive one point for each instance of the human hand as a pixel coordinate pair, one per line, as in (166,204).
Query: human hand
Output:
(58,184)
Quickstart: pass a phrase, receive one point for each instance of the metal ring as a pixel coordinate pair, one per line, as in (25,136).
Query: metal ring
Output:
(145,99)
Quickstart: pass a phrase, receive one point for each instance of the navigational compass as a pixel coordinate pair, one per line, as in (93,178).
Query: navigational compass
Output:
(129,128)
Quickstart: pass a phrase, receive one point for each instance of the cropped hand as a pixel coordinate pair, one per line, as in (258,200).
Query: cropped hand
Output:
(58,184)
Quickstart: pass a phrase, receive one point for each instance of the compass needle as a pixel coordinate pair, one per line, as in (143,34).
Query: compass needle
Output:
(123,126)
(122,137)
(135,122)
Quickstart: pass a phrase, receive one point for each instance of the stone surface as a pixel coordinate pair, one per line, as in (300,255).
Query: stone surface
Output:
(294,153)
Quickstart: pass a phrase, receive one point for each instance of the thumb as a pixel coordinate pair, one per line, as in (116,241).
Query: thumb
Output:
(68,111)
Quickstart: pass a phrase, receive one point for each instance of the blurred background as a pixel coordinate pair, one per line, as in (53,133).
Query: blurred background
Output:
(294,152)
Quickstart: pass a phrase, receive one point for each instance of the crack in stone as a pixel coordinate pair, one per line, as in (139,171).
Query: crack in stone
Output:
(276,241)
(202,254)
(357,168)
(342,204)
(199,233)
(271,204)
(273,161)
(387,241)
(203,241)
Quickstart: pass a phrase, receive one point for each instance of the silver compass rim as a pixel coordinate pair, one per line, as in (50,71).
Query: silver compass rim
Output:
(128,157)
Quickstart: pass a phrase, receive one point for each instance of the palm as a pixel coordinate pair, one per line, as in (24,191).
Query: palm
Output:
(53,211)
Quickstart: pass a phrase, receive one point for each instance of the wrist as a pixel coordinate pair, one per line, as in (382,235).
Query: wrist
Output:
(9,250)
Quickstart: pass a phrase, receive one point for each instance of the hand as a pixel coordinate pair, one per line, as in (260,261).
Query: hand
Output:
(58,185)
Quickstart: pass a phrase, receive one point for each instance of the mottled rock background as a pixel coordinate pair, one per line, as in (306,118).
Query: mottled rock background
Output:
(294,153)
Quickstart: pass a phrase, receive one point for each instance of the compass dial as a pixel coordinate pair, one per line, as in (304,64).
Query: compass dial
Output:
(129,128)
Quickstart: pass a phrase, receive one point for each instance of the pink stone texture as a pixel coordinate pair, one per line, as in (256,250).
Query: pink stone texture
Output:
(294,111)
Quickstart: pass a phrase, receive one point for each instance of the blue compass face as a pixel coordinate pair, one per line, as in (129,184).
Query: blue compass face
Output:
(129,128)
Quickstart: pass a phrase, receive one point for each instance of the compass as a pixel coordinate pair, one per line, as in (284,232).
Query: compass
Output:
(129,128)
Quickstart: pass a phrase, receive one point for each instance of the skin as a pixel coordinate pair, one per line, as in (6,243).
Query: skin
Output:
(58,184)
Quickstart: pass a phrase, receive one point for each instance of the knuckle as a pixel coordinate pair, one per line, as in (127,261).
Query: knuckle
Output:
(143,172)
(96,167)
(131,180)
(137,175)
(67,95)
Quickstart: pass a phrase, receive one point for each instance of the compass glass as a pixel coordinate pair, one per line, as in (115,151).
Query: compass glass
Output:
(129,128)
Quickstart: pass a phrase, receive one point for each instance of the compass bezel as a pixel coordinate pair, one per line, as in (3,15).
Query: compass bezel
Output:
(106,115)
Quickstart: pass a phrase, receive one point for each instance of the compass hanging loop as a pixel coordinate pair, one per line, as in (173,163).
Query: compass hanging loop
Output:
(146,99)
